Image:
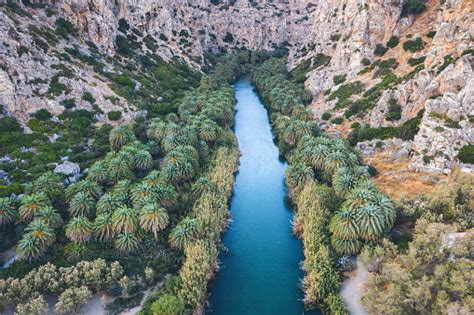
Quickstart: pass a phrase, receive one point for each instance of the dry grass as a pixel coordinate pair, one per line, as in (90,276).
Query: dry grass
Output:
(396,180)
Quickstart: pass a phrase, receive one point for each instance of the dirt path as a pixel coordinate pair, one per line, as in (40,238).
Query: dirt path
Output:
(351,290)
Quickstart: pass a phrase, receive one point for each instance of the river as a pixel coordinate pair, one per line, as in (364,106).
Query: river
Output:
(260,274)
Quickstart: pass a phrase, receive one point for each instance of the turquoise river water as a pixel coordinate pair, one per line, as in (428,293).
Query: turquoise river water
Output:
(260,274)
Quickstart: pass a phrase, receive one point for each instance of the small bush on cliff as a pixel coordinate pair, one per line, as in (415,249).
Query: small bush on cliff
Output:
(466,154)
(393,42)
(380,50)
(414,45)
(413,7)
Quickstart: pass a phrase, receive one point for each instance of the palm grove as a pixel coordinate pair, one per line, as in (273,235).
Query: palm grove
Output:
(155,202)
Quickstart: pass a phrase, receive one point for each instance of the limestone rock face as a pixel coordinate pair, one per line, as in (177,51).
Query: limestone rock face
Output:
(327,37)
(68,168)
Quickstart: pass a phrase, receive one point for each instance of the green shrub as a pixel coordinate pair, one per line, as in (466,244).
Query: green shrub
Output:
(393,41)
(87,96)
(355,125)
(338,120)
(64,27)
(326,116)
(394,110)
(365,61)
(123,46)
(43,114)
(380,50)
(68,103)
(321,60)
(123,25)
(229,38)
(56,88)
(466,154)
(416,61)
(10,124)
(340,78)
(447,61)
(347,90)
(414,45)
(431,34)
(168,305)
(125,81)
(114,115)
(413,7)
(335,37)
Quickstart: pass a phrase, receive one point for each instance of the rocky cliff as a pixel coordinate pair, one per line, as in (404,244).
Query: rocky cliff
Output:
(377,63)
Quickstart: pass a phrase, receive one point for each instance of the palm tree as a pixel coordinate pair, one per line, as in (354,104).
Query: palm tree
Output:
(166,194)
(127,242)
(75,252)
(297,175)
(41,231)
(344,224)
(48,183)
(82,205)
(364,192)
(8,211)
(103,227)
(157,130)
(386,208)
(29,249)
(86,186)
(186,231)
(107,204)
(120,136)
(153,178)
(344,181)
(119,169)
(345,247)
(98,172)
(143,193)
(203,149)
(79,230)
(124,220)
(32,204)
(203,185)
(302,113)
(370,221)
(50,216)
(153,218)
(142,160)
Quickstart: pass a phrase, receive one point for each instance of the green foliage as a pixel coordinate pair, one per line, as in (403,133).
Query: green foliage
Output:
(393,41)
(365,62)
(167,305)
(394,110)
(338,79)
(466,154)
(87,96)
(413,7)
(326,116)
(447,61)
(416,61)
(406,131)
(64,27)
(337,120)
(68,103)
(380,50)
(431,34)
(345,91)
(43,114)
(114,115)
(414,45)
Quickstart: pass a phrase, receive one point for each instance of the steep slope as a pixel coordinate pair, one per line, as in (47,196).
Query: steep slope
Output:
(378,64)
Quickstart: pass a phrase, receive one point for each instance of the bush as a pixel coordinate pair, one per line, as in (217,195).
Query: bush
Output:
(393,41)
(229,38)
(431,34)
(10,124)
(338,120)
(394,110)
(416,61)
(69,103)
(87,96)
(43,114)
(466,154)
(414,45)
(340,78)
(365,61)
(413,7)
(326,116)
(125,81)
(380,50)
(168,305)
(114,115)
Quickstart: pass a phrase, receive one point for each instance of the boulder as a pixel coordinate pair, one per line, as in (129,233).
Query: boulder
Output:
(68,168)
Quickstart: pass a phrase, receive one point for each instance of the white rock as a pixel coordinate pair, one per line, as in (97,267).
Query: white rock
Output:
(68,168)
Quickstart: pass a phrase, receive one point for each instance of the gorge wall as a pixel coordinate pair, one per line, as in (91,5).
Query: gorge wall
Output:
(340,49)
